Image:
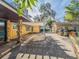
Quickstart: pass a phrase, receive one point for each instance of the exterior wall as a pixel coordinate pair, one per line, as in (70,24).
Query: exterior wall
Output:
(54,28)
(36,28)
(28,29)
(24,30)
(11,33)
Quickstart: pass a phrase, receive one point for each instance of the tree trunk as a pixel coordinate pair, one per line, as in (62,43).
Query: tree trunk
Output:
(51,29)
(43,29)
(44,32)
(19,29)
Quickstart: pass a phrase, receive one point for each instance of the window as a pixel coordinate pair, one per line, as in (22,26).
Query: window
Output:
(2,30)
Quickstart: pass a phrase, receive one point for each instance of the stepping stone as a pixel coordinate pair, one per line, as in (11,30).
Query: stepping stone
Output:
(46,57)
(39,57)
(60,58)
(19,56)
(6,56)
(25,56)
(56,58)
(32,56)
(53,57)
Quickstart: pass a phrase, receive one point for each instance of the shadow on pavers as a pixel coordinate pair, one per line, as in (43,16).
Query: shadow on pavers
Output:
(48,47)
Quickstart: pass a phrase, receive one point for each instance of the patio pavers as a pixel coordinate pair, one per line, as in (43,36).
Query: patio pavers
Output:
(53,47)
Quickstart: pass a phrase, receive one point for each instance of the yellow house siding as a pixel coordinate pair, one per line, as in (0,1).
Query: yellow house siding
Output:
(23,29)
(11,33)
(36,28)
(28,29)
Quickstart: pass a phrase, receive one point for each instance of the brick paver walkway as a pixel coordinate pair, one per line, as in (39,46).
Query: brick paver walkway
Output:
(5,48)
(53,47)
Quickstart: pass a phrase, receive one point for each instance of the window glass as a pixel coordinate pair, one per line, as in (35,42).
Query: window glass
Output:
(2,31)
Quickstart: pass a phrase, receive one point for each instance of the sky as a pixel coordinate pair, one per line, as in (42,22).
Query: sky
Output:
(57,5)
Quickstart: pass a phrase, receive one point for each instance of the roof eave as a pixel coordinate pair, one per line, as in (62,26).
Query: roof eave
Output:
(10,8)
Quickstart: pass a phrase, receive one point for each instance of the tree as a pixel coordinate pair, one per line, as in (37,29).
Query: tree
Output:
(36,18)
(21,6)
(72,11)
(49,23)
(46,13)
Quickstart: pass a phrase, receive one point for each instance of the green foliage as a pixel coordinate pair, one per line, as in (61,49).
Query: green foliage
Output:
(16,1)
(69,17)
(23,4)
(46,11)
(72,11)
(49,22)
